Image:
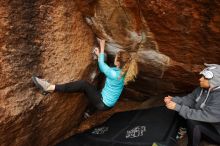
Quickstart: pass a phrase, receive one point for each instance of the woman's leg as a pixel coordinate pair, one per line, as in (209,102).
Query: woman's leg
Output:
(197,130)
(76,86)
(91,92)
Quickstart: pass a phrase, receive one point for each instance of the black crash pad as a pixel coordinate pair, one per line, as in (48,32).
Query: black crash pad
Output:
(132,128)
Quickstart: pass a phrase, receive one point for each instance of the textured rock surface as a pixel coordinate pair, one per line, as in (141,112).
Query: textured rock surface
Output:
(170,39)
(47,38)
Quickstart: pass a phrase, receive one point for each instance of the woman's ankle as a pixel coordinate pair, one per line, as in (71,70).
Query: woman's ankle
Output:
(51,88)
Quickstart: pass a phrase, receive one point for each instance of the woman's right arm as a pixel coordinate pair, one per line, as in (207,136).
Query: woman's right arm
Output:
(102,45)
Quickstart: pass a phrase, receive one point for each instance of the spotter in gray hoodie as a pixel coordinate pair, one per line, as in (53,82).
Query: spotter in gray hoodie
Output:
(203,104)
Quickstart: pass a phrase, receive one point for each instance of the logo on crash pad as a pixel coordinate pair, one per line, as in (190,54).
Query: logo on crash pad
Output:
(100,130)
(136,132)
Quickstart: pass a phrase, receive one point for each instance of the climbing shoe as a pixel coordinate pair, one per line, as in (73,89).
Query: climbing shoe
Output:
(42,84)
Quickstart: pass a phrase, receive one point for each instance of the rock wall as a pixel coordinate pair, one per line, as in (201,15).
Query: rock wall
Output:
(54,39)
(49,39)
(170,39)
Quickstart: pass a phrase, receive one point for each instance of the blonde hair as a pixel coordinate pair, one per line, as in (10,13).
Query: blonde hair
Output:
(129,68)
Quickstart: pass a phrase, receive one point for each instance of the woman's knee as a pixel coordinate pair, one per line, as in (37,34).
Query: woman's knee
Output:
(102,107)
(84,83)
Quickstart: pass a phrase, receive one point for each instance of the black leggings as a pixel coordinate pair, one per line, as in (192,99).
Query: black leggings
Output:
(197,130)
(93,95)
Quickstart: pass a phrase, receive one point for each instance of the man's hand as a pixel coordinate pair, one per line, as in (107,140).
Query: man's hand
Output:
(167,99)
(171,105)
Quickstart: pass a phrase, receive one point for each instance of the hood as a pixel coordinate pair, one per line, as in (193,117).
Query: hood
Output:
(212,72)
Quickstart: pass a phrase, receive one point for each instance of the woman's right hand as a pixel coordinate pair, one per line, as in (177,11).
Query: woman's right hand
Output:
(102,45)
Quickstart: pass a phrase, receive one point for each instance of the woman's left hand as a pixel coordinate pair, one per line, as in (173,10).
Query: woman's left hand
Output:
(96,50)
(171,105)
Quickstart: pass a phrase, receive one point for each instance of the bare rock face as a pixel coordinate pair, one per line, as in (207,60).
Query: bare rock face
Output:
(54,39)
(50,39)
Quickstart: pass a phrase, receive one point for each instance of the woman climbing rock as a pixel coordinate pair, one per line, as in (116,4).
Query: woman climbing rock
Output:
(116,77)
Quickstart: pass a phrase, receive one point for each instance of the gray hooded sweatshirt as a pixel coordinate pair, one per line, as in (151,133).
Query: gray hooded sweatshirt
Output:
(203,104)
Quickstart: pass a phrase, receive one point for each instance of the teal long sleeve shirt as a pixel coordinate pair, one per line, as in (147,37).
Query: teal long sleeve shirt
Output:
(114,84)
